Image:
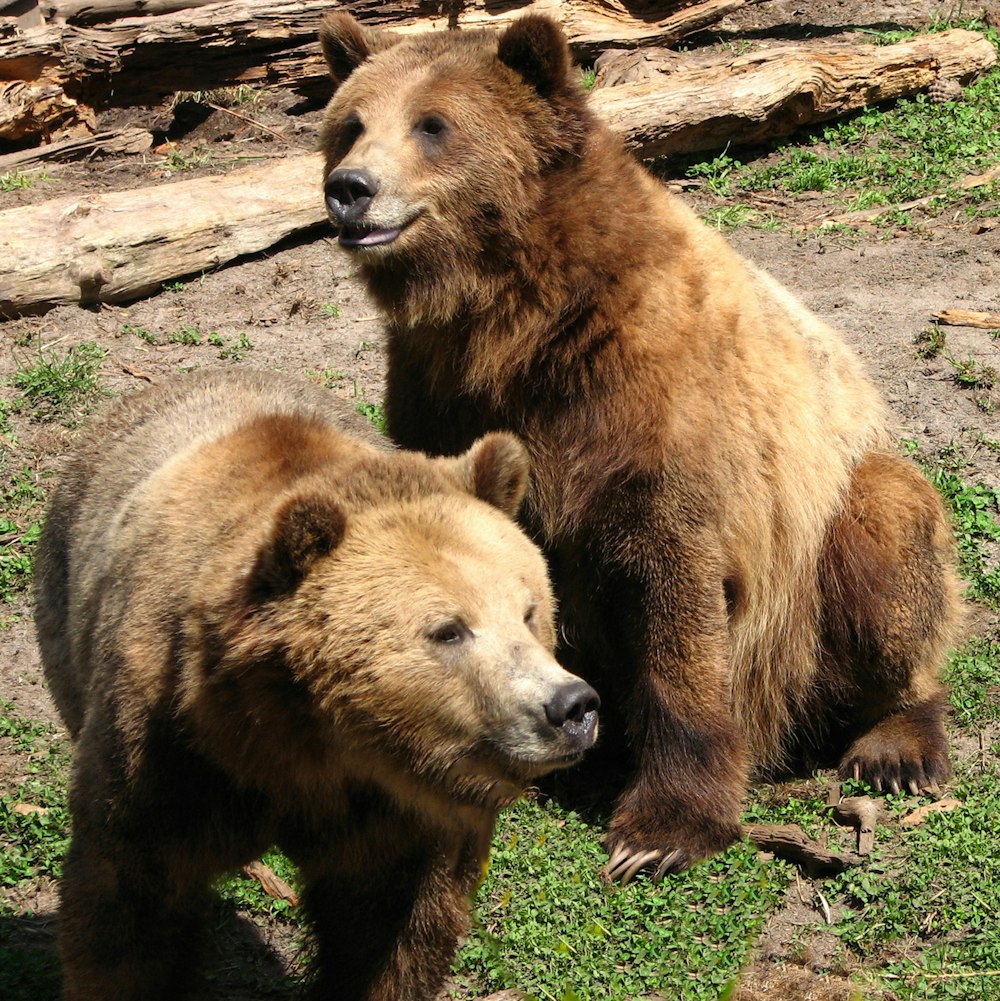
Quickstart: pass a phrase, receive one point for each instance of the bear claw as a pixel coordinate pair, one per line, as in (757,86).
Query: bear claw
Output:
(625,863)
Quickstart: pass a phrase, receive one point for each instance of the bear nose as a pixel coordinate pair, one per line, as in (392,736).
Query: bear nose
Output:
(571,702)
(349,193)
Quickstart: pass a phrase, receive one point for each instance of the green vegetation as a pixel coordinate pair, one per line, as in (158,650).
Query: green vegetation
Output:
(18,179)
(930,342)
(185,335)
(374,413)
(130,330)
(327,377)
(882,156)
(235,350)
(179,160)
(330,310)
(62,388)
(21,499)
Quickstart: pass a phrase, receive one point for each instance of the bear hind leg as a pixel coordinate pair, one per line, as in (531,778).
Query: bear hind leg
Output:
(891,610)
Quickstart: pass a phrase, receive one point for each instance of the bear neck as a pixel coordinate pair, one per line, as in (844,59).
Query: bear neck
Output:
(532,308)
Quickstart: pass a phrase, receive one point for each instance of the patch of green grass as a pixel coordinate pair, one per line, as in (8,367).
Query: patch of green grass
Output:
(236,350)
(973,508)
(330,310)
(588,78)
(34,816)
(884,155)
(374,413)
(61,387)
(973,374)
(131,330)
(327,377)
(928,901)
(21,500)
(179,161)
(546,925)
(246,893)
(973,673)
(185,335)
(18,180)
(930,342)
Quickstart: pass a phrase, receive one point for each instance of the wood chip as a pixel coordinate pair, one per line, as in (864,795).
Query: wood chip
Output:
(920,815)
(968,318)
(274,886)
(27,809)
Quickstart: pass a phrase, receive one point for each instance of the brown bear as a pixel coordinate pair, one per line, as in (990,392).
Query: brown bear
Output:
(745,570)
(260,630)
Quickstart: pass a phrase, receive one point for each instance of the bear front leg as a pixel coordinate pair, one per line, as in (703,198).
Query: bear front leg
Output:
(684,801)
(124,932)
(388,908)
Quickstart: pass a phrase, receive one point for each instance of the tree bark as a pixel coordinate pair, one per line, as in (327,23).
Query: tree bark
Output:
(141,59)
(116,142)
(119,246)
(768,94)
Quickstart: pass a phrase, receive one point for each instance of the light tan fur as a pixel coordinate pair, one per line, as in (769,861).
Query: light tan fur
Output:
(261,629)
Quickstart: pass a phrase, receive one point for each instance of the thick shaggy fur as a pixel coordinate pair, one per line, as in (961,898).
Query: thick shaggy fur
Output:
(743,566)
(260,630)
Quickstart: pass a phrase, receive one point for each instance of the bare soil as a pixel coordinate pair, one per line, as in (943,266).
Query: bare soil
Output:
(302,311)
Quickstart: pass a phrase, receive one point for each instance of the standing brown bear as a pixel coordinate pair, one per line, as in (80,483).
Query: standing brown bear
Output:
(744,568)
(259,631)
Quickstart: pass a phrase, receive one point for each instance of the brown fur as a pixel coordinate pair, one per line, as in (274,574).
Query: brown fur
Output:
(739,560)
(262,630)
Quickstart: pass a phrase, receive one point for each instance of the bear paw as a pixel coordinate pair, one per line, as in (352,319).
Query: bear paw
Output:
(907,750)
(672,851)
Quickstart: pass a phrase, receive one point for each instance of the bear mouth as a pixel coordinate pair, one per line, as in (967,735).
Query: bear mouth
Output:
(356,236)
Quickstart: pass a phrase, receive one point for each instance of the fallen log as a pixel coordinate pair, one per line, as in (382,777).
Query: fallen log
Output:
(790,842)
(140,60)
(126,252)
(968,318)
(119,246)
(97,11)
(111,143)
(771,93)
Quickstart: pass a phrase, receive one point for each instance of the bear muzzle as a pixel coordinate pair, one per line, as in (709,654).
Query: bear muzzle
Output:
(349,195)
(573,711)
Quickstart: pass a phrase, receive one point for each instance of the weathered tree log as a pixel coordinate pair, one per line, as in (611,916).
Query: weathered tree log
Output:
(98,11)
(120,246)
(968,318)
(139,60)
(96,251)
(790,842)
(35,109)
(769,94)
(113,143)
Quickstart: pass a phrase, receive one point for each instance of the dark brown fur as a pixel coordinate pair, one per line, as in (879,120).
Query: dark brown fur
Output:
(262,630)
(702,445)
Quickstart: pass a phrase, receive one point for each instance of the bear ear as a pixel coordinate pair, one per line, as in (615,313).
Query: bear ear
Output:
(347,44)
(535,47)
(496,470)
(303,529)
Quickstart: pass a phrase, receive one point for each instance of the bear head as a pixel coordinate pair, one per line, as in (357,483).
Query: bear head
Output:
(398,627)
(436,144)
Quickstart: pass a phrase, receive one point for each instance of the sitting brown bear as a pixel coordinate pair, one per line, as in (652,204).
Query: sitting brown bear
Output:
(259,631)
(743,567)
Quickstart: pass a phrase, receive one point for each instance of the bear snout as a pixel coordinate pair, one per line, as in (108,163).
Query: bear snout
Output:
(349,192)
(573,710)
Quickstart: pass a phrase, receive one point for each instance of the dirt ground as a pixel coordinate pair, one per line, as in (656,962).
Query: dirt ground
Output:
(301,310)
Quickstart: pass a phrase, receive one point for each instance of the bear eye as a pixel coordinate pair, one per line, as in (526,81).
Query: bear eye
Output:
(529,616)
(431,126)
(351,130)
(449,633)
